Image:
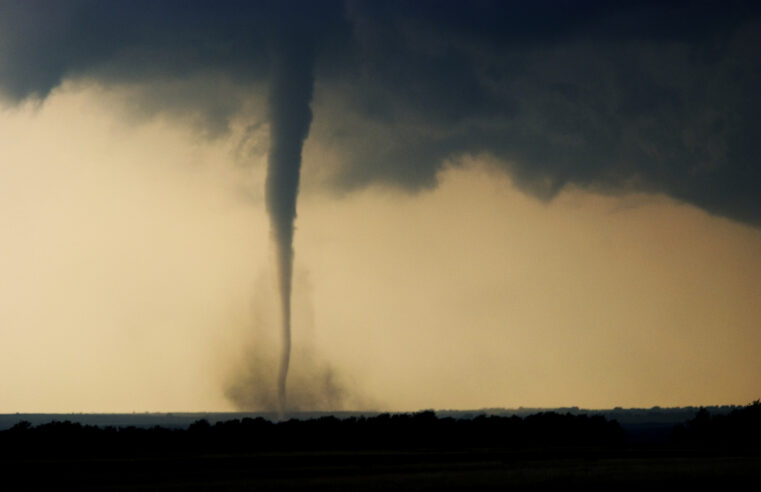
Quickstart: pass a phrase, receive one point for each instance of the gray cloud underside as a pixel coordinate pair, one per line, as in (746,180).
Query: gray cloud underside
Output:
(657,96)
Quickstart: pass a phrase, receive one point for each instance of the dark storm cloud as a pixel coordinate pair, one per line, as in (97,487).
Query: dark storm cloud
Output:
(643,96)
(44,41)
(654,96)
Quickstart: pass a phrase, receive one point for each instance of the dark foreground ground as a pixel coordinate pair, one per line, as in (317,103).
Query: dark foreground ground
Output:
(382,471)
(409,452)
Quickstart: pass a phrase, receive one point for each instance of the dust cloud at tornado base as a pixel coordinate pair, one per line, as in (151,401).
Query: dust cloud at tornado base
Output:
(314,383)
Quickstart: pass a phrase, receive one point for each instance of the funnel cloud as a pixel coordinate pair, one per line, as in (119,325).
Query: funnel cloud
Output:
(290,117)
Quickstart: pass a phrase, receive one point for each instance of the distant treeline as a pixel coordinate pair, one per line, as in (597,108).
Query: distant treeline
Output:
(738,431)
(416,431)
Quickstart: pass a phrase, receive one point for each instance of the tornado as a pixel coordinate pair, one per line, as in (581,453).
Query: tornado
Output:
(290,115)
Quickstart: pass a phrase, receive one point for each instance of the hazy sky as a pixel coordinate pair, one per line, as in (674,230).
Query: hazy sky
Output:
(500,205)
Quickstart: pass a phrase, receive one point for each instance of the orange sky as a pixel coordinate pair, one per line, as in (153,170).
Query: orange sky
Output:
(137,276)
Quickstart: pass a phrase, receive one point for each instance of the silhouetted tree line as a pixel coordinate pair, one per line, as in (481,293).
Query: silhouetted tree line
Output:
(418,431)
(737,431)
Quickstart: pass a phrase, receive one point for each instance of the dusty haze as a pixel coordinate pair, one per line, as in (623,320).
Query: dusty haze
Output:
(136,260)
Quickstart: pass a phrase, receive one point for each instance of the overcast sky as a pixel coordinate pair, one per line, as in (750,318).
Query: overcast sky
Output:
(500,205)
